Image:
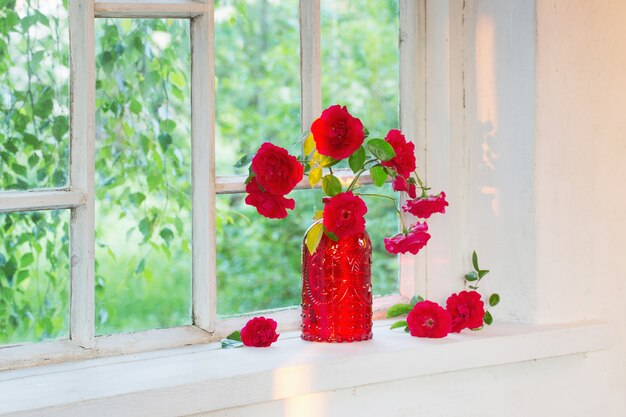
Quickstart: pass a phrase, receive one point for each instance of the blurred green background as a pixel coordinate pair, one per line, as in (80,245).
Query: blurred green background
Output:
(143,156)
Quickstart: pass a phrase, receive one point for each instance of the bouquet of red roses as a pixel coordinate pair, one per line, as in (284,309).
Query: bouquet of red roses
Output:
(336,136)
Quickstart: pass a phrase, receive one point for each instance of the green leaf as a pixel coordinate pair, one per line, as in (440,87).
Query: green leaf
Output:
(488,319)
(381,149)
(475,261)
(314,236)
(416,299)
(167,235)
(244,161)
(482,273)
(494,299)
(27,260)
(165,140)
(232,341)
(401,323)
(136,199)
(141,266)
(357,159)
(135,106)
(398,310)
(145,227)
(178,79)
(366,132)
(236,335)
(471,276)
(60,127)
(331,235)
(21,276)
(378,174)
(331,185)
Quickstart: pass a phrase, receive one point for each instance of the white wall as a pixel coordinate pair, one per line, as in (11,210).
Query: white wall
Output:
(543,144)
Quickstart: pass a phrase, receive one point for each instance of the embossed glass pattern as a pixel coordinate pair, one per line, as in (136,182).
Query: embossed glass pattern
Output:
(337,290)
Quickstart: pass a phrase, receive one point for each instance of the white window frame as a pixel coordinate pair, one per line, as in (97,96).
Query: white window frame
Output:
(80,199)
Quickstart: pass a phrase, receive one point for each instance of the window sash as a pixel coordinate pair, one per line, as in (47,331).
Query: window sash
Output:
(79,197)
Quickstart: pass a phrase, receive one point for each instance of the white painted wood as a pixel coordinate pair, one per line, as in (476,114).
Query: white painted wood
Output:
(150,8)
(193,380)
(412,42)
(235,183)
(310,62)
(82,166)
(204,286)
(36,354)
(40,200)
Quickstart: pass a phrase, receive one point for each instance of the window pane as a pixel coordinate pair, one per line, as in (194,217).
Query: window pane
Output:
(360,60)
(259,260)
(34,94)
(257,65)
(34,276)
(143,175)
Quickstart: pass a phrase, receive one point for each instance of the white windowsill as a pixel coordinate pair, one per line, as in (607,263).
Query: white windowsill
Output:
(202,378)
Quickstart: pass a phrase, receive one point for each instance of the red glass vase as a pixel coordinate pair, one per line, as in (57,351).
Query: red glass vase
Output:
(337,290)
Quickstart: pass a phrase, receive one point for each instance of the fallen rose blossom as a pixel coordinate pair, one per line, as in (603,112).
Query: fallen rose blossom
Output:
(467,310)
(259,332)
(428,319)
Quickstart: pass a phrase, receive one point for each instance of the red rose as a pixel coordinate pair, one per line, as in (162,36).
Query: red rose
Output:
(467,310)
(425,207)
(276,171)
(267,204)
(404,161)
(259,332)
(336,133)
(428,319)
(401,184)
(415,239)
(343,214)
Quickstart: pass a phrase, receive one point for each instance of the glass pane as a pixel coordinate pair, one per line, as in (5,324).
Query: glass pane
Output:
(257,65)
(34,94)
(360,60)
(34,276)
(259,260)
(143,175)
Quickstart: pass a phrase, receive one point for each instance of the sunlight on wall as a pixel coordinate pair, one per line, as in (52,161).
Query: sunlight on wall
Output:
(487,101)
